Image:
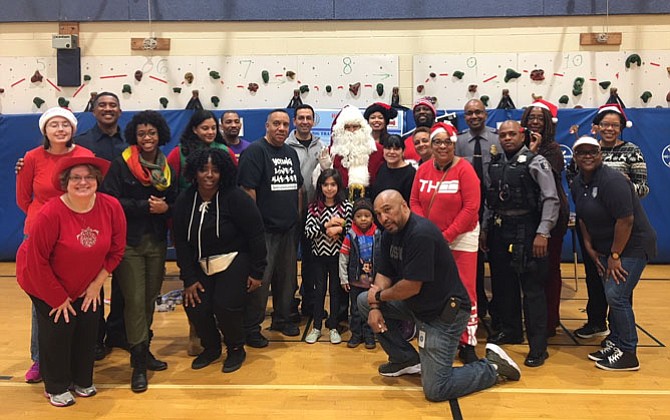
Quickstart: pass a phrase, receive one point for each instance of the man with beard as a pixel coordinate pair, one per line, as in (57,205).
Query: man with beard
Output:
(231,125)
(269,172)
(356,155)
(475,145)
(424,116)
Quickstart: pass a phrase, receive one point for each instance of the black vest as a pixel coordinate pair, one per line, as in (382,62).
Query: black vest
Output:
(512,187)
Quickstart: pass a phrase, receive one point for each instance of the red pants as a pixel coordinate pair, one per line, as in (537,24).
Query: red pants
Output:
(467,270)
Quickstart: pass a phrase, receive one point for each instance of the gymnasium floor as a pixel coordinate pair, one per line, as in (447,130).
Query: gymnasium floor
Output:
(294,380)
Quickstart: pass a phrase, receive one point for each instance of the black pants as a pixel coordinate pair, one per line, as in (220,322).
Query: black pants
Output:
(596,305)
(506,282)
(221,310)
(307,289)
(67,350)
(113,331)
(327,277)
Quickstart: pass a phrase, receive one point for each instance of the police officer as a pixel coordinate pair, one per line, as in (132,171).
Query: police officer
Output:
(522,207)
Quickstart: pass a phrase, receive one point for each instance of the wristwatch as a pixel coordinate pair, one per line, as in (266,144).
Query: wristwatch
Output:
(378,296)
(615,255)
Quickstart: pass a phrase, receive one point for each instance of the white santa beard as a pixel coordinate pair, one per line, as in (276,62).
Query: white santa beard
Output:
(355,147)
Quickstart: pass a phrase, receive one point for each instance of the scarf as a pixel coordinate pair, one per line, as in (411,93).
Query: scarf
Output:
(155,174)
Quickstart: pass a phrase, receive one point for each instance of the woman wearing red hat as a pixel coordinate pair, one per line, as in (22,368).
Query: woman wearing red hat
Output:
(34,187)
(446,191)
(75,241)
(540,119)
(378,116)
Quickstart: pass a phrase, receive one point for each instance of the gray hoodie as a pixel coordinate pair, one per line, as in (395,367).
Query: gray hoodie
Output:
(309,159)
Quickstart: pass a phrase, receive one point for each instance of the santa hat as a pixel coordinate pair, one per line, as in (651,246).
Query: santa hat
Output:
(425,102)
(57,112)
(348,114)
(387,112)
(443,127)
(612,108)
(553,109)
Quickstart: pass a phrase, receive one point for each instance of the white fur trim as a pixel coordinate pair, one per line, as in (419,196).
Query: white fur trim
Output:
(359,175)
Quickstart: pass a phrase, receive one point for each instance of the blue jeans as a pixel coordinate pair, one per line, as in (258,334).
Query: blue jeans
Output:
(440,380)
(622,319)
(34,341)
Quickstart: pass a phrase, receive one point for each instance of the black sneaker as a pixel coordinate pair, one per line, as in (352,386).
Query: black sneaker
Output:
(206,358)
(100,351)
(467,354)
(354,342)
(505,366)
(619,361)
(604,352)
(234,359)
(590,331)
(399,369)
(256,340)
(290,329)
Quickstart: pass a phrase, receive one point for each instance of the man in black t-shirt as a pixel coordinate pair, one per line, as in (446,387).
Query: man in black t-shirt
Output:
(269,172)
(417,279)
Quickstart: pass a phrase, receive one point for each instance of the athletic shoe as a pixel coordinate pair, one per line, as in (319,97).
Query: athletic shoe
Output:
(619,361)
(604,352)
(370,343)
(505,366)
(33,375)
(257,340)
(590,331)
(60,400)
(335,337)
(84,392)
(290,329)
(313,336)
(354,342)
(398,369)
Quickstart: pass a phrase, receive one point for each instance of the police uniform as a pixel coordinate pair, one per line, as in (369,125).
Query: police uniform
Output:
(521,202)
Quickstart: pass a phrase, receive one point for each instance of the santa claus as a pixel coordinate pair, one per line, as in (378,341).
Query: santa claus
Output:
(355,154)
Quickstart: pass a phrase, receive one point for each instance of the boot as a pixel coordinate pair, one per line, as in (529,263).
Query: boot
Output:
(138,360)
(154,364)
(194,347)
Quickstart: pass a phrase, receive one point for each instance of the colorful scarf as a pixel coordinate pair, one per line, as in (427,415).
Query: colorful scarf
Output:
(148,173)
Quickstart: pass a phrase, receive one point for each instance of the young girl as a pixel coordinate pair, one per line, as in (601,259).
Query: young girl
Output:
(328,219)
(357,268)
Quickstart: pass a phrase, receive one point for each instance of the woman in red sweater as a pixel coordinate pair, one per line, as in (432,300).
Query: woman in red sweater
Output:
(34,187)
(76,240)
(446,191)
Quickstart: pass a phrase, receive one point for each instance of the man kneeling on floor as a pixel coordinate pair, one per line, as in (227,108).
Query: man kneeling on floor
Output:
(417,279)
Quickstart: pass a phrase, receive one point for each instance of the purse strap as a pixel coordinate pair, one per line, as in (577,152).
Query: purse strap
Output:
(432,199)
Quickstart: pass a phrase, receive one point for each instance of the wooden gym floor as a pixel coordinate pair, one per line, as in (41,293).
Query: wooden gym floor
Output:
(294,380)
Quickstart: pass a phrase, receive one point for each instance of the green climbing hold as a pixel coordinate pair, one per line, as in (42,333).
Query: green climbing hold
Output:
(304,89)
(485,99)
(329,88)
(164,101)
(266,76)
(578,86)
(126,89)
(563,99)
(87,77)
(633,59)
(459,74)
(605,84)
(380,89)
(38,101)
(214,74)
(215,101)
(510,74)
(62,102)
(646,95)
(176,89)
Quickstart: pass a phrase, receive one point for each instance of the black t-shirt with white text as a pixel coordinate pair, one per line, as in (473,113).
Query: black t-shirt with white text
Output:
(419,253)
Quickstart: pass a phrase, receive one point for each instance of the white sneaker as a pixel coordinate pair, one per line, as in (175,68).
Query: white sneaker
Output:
(335,337)
(85,392)
(313,336)
(60,400)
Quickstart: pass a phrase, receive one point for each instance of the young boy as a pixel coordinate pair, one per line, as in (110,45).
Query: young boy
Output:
(359,252)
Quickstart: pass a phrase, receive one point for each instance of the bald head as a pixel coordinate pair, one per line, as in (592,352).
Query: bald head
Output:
(392,210)
(475,115)
(511,136)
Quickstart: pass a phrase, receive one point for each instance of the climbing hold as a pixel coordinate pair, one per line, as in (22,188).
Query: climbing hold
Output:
(419,89)
(563,99)
(164,101)
(265,75)
(38,101)
(578,86)
(62,102)
(537,75)
(126,89)
(176,89)
(36,77)
(472,88)
(432,75)
(605,84)
(354,88)
(138,75)
(395,97)
(290,74)
(214,75)
(87,78)
(329,88)
(252,87)
(380,89)
(189,77)
(215,101)
(485,99)
(304,89)
(511,74)
(458,74)
(646,95)
(633,59)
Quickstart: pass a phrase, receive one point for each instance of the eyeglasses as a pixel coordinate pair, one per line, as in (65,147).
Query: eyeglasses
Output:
(588,152)
(150,133)
(56,125)
(477,112)
(609,125)
(77,178)
(438,143)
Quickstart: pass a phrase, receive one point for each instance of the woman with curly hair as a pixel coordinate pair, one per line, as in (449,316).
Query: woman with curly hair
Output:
(202,131)
(144,184)
(220,244)
(540,119)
